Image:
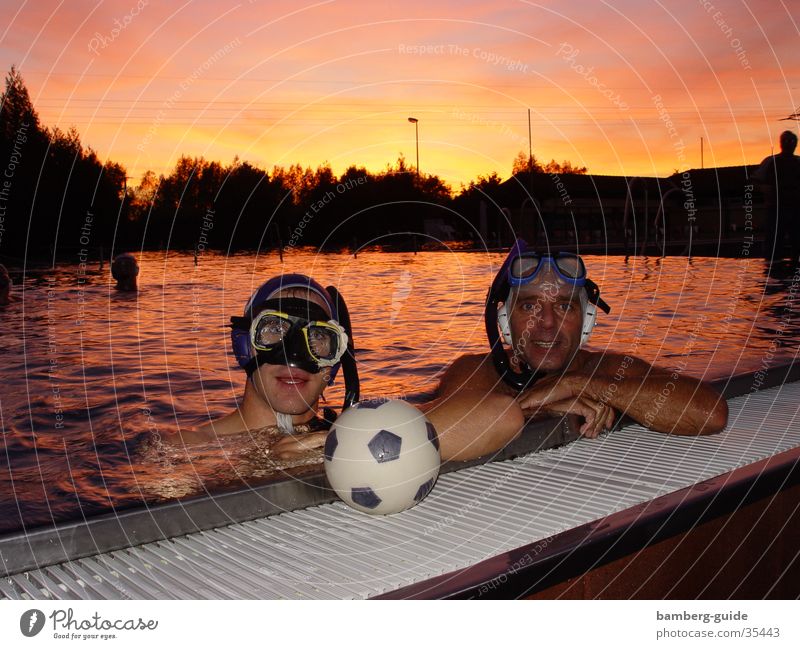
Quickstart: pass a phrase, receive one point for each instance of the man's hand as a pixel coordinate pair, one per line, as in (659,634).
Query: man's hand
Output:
(564,394)
(550,389)
(598,417)
(660,399)
(293,446)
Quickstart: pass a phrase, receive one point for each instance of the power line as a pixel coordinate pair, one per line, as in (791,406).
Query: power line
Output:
(398,107)
(371,82)
(284,121)
(794,116)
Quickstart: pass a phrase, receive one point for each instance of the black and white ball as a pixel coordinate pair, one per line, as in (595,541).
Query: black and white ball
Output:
(382,457)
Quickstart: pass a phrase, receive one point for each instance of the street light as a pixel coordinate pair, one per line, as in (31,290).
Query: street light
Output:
(415,122)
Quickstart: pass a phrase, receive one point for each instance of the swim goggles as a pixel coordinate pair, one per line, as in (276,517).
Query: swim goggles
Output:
(324,341)
(524,268)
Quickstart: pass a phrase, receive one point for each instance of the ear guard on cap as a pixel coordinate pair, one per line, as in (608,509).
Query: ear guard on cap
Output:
(593,302)
(502,322)
(240,342)
(498,293)
(589,320)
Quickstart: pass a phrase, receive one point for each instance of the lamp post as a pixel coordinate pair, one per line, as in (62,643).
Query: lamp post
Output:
(415,122)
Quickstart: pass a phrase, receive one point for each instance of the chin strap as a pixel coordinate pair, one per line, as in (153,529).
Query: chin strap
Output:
(284,421)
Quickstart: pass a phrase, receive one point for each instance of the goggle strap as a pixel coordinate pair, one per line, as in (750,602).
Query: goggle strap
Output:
(292,306)
(240,322)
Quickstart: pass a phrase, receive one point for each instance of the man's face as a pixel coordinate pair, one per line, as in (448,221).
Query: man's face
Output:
(290,389)
(546,321)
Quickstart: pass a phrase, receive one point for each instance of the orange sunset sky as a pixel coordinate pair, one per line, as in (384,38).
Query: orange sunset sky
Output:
(282,82)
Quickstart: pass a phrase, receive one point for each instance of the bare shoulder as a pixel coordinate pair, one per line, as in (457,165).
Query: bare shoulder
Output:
(469,372)
(229,424)
(467,362)
(200,435)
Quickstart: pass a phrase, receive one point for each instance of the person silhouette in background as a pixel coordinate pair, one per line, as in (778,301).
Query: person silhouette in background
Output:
(124,270)
(779,176)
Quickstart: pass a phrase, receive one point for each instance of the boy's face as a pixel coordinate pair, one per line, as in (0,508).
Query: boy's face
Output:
(290,389)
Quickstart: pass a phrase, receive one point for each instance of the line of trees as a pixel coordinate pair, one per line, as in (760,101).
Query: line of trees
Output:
(53,191)
(57,196)
(241,206)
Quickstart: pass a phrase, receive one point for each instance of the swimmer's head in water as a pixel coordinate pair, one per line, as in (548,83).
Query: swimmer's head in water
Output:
(293,335)
(124,270)
(544,321)
(294,328)
(553,275)
(290,320)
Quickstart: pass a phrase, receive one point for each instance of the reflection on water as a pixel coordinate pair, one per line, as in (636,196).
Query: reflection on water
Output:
(93,376)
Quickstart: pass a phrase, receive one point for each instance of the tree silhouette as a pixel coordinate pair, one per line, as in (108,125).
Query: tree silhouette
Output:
(16,108)
(60,198)
(66,201)
(522,164)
